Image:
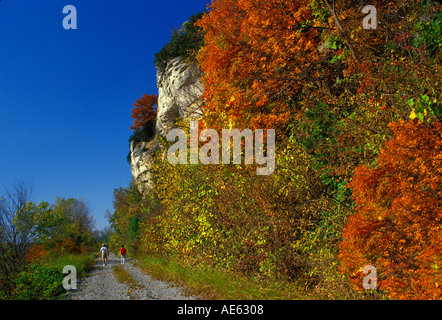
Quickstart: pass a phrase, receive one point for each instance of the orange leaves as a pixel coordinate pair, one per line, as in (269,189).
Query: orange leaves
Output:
(144,111)
(397,227)
(258,51)
(36,252)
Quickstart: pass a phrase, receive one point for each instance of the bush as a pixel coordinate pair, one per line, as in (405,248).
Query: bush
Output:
(228,216)
(397,226)
(82,262)
(184,43)
(43,280)
(38,282)
(144,134)
(430,35)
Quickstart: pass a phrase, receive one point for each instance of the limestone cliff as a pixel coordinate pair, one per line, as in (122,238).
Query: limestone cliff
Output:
(179,96)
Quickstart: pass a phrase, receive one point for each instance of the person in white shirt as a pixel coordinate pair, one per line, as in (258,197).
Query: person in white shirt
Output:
(104,253)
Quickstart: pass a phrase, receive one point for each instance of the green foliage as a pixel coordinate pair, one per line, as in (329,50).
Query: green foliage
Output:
(43,280)
(430,35)
(131,209)
(134,227)
(73,230)
(185,42)
(425,109)
(35,240)
(22,224)
(228,217)
(212,283)
(287,226)
(35,220)
(83,263)
(38,283)
(142,135)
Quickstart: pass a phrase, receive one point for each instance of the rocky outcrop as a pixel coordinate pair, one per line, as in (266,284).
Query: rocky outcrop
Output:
(140,163)
(179,96)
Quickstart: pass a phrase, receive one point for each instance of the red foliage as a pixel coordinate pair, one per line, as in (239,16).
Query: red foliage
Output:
(397,226)
(144,111)
(257,53)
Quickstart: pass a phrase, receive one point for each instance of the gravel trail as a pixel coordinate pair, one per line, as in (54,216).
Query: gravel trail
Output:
(102,284)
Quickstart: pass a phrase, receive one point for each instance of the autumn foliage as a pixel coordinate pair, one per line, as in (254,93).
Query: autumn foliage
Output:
(144,111)
(36,252)
(256,55)
(397,226)
(356,182)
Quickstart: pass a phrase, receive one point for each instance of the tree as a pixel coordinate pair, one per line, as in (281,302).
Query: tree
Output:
(102,236)
(130,210)
(257,56)
(22,224)
(75,224)
(144,111)
(397,225)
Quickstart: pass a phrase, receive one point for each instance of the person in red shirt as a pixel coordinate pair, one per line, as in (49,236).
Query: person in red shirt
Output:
(123,254)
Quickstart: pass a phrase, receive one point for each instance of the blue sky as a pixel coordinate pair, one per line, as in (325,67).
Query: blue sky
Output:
(66,95)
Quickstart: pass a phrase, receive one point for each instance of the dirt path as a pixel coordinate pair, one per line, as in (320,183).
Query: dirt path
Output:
(102,284)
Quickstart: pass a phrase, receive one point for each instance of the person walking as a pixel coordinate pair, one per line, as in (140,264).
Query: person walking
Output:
(123,254)
(104,253)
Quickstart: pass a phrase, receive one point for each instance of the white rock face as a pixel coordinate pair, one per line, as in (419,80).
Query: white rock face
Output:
(179,96)
(140,163)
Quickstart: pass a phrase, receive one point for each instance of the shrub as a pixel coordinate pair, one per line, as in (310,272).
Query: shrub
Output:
(144,134)
(430,35)
(184,43)
(36,252)
(38,282)
(43,280)
(397,226)
(144,111)
(227,216)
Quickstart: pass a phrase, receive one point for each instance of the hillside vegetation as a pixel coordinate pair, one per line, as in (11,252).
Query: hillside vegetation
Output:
(38,240)
(358,180)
